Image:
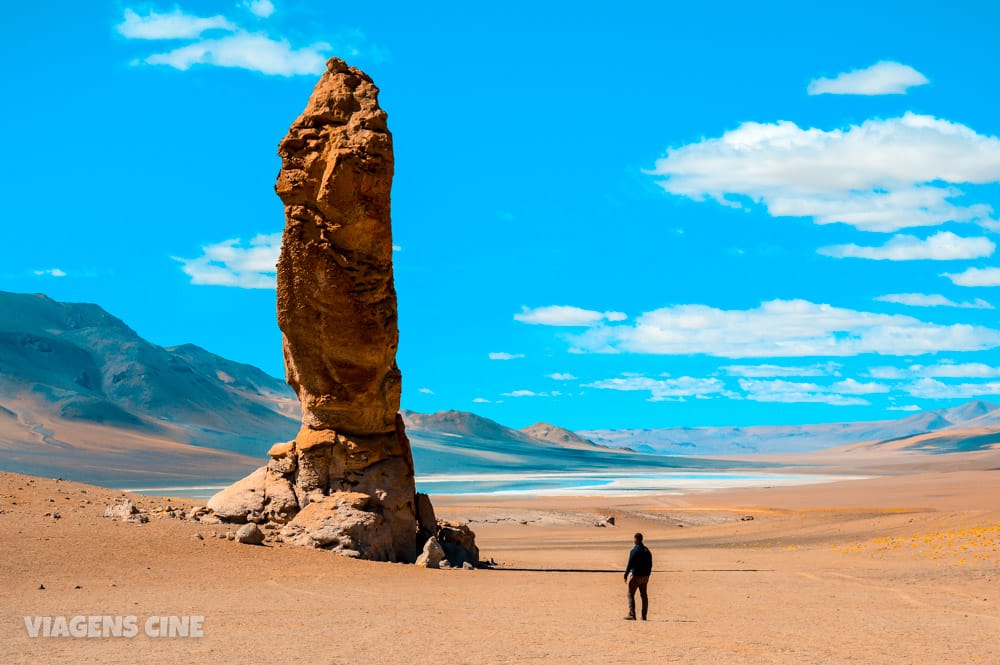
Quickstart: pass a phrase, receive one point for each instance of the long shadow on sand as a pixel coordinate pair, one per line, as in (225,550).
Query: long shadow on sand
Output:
(608,570)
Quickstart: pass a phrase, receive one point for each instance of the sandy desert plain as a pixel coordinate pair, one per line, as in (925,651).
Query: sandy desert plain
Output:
(896,568)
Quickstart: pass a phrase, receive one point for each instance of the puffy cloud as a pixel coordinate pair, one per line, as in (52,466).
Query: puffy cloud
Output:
(49,272)
(943,246)
(975,277)
(667,389)
(561,376)
(932,300)
(841,393)
(756,371)
(563,315)
(781,328)
(426,391)
(942,370)
(261,8)
(244,50)
(934,389)
(230,263)
(883,175)
(240,48)
(503,355)
(173,25)
(882,78)
(481,400)
(532,393)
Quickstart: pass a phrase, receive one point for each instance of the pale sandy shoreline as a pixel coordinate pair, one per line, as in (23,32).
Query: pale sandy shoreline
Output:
(894,569)
(581,484)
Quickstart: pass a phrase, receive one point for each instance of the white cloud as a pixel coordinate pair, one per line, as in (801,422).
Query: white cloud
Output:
(243,50)
(908,407)
(503,355)
(883,175)
(934,389)
(842,393)
(976,277)
(49,272)
(563,315)
(943,246)
(668,389)
(756,371)
(426,391)
(882,78)
(481,400)
(172,25)
(397,248)
(932,300)
(561,376)
(261,8)
(229,263)
(942,370)
(781,329)
(532,393)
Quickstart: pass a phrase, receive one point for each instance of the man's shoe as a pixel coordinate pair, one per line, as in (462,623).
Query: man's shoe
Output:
(630,617)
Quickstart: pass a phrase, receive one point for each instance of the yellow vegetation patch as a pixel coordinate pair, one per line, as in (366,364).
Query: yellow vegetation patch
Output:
(956,547)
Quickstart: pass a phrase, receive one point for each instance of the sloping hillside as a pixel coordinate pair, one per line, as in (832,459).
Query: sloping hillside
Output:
(793,438)
(64,365)
(459,442)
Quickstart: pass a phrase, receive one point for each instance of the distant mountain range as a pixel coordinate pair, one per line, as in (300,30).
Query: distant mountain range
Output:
(461,442)
(741,441)
(82,396)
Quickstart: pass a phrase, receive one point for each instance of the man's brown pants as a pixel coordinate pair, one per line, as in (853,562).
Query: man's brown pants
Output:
(640,584)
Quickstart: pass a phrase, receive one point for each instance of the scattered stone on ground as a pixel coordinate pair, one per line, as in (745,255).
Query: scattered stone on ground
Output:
(250,534)
(123,510)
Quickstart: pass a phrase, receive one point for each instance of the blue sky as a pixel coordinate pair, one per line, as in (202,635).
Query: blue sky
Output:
(638,215)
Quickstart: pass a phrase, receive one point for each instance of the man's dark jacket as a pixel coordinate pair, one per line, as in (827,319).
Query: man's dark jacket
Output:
(640,561)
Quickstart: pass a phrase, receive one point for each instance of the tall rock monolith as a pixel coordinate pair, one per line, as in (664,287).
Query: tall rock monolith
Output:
(337,313)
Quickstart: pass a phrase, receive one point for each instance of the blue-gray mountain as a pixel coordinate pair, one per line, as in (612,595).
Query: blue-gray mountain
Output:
(82,396)
(741,441)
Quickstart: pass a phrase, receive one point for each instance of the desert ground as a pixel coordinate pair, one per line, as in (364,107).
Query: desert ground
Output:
(902,569)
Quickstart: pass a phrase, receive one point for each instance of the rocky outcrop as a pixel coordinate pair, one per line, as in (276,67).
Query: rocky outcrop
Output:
(345,483)
(348,523)
(124,510)
(459,543)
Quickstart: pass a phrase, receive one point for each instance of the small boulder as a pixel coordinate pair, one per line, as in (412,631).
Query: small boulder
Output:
(250,534)
(243,501)
(432,555)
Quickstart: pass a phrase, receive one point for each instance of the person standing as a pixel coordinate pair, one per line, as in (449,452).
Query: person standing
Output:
(640,564)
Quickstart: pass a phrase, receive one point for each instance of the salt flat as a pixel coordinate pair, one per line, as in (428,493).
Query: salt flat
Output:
(883,570)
